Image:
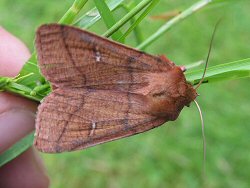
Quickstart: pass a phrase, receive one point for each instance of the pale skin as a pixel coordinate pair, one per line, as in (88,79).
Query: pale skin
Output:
(17,119)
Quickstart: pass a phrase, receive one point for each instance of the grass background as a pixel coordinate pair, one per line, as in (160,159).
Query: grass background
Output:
(170,156)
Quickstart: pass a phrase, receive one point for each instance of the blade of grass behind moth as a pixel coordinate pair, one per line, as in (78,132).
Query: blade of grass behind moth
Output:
(28,68)
(139,19)
(127,17)
(71,14)
(226,71)
(137,31)
(107,17)
(194,65)
(92,16)
(16,149)
(186,13)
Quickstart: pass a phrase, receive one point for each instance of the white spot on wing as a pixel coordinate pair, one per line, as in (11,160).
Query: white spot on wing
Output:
(98,56)
(93,129)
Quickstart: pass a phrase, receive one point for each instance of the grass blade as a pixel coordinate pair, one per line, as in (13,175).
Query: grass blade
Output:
(127,17)
(107,17)
(16,149)
(194,8)
(141,17)
(227,71)
(71,14)
(92,16)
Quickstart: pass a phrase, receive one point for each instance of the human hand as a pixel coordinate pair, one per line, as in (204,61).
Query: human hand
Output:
(17,119)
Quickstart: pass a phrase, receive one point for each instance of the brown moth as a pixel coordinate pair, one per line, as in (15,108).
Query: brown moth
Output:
(102,90)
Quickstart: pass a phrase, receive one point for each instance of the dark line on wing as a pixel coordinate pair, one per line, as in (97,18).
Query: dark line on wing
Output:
(130,60)
(131,78)
(70,55)
(58,147)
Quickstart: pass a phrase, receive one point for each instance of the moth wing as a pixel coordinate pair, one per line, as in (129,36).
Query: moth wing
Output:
(72,57)
(72,119)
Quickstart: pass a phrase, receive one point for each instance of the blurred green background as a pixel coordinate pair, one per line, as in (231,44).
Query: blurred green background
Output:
(169,156)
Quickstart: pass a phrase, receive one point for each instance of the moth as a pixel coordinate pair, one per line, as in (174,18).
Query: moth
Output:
(102,90)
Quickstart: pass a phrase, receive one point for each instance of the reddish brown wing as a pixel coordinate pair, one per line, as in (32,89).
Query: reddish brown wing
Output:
(72,119)
(75,58)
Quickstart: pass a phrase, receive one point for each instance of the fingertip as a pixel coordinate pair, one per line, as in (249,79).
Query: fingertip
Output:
(13,54)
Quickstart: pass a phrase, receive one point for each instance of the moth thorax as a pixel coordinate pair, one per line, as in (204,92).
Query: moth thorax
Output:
(168,98)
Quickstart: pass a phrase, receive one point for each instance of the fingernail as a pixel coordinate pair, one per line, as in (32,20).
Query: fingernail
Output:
(14,125)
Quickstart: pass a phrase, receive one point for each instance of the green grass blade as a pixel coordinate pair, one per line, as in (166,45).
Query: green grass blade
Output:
(92,16)
(16,149)
(138,20)
(234,70)
(71,14)
(127,17)
(163,29)
(194,65)
(137,31)
(107,17)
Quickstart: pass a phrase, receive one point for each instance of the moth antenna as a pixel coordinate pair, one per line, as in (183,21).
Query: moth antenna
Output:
(208,55)
(203,137)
